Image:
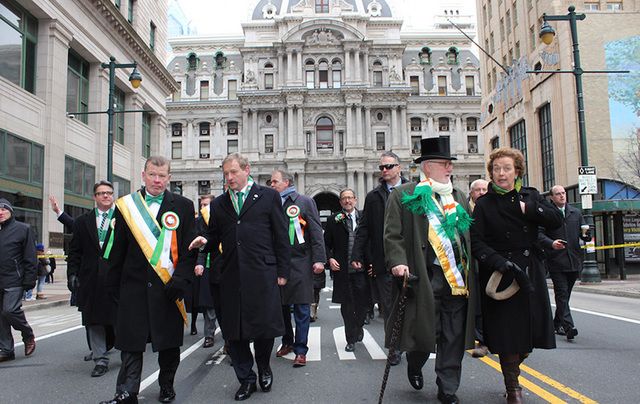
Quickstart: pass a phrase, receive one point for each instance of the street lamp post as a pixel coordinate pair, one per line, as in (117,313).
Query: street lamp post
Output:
(590,272)
(135,78)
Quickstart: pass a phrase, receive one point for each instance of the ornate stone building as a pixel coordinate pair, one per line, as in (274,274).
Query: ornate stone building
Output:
(322,88)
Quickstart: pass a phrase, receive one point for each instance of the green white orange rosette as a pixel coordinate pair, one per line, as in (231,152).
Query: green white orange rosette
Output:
(296,224)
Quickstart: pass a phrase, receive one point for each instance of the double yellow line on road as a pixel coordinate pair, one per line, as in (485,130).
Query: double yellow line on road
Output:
(539,391)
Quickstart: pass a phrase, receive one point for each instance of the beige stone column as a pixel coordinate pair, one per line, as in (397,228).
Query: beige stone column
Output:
(392,140)
(358,137)
(367,127)
(300,128)
(460,142)
(430,128)
(361,189)
(369,182)
(351,181)
(366,67)
(347,66)
(404,140)
(356,56)
(349,131)
(280,143)
(255,135)
(299,67)
(291,138)
(244,135)
(289,67)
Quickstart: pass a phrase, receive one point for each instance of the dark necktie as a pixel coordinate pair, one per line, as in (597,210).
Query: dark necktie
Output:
(240,201)
(350,218)
(104,219)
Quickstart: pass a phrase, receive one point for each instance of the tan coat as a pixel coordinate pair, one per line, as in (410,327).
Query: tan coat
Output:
(406,243)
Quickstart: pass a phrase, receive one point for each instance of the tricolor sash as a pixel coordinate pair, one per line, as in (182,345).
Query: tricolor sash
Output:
(158,244)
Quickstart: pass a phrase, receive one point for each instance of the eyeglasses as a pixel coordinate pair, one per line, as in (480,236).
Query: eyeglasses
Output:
(445,164)
(387,166)
(104,193)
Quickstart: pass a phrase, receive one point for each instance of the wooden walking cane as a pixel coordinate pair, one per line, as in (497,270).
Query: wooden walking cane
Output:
(395,331)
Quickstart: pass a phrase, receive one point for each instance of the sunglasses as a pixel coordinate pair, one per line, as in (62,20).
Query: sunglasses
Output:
(387,166)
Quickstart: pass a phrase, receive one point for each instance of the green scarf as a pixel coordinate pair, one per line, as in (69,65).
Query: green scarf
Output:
(502,191)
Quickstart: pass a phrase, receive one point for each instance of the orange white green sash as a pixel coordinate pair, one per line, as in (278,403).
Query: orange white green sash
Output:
(158,244)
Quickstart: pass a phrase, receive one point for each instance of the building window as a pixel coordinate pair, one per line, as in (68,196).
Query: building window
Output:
(204,149)
(517,50)
(452,56)
(152,36)
(78,86)
(341,140)
(232,128)
(20,159)
(380,141)
(495,143)
(122,186)
(416,124)
(323,75)
(518,135)
(501,29)
(425,55)
(268,143)
(19,37)
(546,143)
(146,134)
(442,85)
(614,6)
(415,144)
(204,187)
(79,177)
(514,7)
(492,44)
(117,3)
(130,11)
(176,150)
(205,128)
(414,82)
(489,10)
(204,90)
(324,135)
(307,138)
(176,129)
(268,81)
(592,6)
(336,74)
(470,84)
(507,21)
(118,118)
(377,74)
(472,144)
(232,146)
(472,124)
(310,74)
(233,89)
(443,124)
(176,187)
(322,6)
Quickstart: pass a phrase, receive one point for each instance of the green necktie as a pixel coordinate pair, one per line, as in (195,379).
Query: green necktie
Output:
(149,199)
(240,196)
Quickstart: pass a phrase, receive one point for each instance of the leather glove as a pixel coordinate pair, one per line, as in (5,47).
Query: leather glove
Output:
(174,289)
(519,275)
(28,286)
(73,283)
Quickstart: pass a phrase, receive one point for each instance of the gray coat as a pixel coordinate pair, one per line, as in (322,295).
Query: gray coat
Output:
(299,287)
(406,243)
(569,259)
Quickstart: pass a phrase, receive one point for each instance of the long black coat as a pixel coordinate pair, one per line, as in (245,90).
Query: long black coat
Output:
(501,232)
(336,241)
(255,252)
(299,287)
(144,310)
(569,259)
(369,243)
(86,262)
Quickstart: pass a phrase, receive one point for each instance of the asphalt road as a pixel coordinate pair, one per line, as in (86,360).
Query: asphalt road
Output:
(601,365)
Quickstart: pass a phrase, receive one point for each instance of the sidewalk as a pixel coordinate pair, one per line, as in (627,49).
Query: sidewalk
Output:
(58,295)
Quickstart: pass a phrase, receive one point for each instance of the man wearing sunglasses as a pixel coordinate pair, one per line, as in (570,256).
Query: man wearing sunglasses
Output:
(368,249)
(86,271)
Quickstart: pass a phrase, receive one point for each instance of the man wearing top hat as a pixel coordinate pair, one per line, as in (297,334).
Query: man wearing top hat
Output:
(427,235)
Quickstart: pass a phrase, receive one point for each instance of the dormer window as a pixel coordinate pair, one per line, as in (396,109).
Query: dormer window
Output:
(452,56)
(220,60)
(193,61)
(425,55)
(322,6)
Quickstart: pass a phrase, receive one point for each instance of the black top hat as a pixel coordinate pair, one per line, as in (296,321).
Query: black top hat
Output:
(434,148)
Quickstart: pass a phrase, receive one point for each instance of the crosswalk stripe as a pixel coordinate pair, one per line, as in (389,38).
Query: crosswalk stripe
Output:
(372,346)
(341,342)
(314,343)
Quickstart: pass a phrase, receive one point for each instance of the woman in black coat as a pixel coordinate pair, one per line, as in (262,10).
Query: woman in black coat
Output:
(516,317)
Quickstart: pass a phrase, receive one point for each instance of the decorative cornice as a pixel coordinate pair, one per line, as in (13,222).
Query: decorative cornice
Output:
(132,39)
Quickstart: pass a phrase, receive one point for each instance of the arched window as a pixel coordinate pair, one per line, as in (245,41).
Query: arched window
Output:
(324,135)
(220,60)
(377,73)
(322,6)
(193,61)
(232,128)
(323,74)
(452,56)
(425,55)
(310,73)
(204,128)
(443,124)
(268,76)
(336,73)
(416,124)
(176,129)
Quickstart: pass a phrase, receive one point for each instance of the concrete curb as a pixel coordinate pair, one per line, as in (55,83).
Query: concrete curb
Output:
(619,293)
(45,305)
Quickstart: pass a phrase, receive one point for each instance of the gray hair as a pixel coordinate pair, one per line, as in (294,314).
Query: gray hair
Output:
(391,154)
(286,176)
(157,161)
(243,162)
(477,182)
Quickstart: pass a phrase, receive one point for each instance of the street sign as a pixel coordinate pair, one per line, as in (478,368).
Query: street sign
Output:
(587,180)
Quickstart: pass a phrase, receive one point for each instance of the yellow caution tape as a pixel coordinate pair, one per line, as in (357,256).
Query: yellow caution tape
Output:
(609,247)
(51,256)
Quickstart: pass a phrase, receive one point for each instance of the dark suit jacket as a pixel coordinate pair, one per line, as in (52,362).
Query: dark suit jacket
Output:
(144,310)
(255,251)
(336,240)
(85,260)
(570,259)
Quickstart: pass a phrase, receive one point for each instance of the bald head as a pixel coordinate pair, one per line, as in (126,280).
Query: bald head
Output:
(558,195)
(477,189)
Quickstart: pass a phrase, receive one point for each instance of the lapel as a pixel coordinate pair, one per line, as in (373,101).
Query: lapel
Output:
(291,200)
(253,194)
(166,206)
(92,228)
(345,222)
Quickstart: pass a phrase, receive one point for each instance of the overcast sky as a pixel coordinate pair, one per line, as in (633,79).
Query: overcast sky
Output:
(224,16)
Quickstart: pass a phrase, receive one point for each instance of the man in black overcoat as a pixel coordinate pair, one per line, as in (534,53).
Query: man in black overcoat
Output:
(249,222)
(149,309)
(87,272)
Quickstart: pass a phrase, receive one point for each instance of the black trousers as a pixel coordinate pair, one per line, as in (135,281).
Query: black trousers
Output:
(242,358)
(131,369)
(354,311)
(562,286)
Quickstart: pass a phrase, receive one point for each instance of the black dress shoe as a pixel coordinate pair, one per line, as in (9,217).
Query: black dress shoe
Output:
(350,347)
(99,370)
(7,357)
(448,398)
(361,335)
(265,379)
(123,398)
(245,391)
(571,333)
(415,379)
(208,342)
(167,394)
(560,331)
